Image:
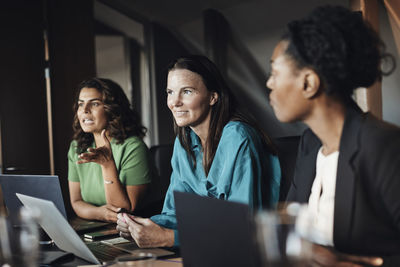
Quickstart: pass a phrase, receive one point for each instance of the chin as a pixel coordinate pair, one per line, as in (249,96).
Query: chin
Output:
(282,117)
(86,130)
(181,123)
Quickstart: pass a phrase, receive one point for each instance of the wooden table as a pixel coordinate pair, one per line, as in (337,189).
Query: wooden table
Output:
(172,262)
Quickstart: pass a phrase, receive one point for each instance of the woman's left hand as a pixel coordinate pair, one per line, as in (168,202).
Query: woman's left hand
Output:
(100,155)
(326,257)
(146,233)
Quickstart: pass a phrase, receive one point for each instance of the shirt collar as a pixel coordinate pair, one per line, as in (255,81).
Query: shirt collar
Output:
(195,140)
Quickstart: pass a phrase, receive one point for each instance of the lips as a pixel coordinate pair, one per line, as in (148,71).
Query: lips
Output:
(87,121)
(180,113)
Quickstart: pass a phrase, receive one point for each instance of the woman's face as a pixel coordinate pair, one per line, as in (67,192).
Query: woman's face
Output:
(91,114)
(287,84)
(188,98)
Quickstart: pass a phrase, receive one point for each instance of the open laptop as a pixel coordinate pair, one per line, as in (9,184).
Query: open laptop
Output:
(55,225)
(40,186)
(68,240)
(215,232)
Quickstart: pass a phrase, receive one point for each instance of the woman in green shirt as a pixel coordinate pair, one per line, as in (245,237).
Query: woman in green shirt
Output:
(108,163)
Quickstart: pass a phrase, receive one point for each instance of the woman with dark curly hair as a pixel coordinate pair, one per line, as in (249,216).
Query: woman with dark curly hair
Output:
(108,163)
(348,166)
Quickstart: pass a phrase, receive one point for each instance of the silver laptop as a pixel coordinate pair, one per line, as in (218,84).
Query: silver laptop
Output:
(68,240)
(40,186)
(58,228)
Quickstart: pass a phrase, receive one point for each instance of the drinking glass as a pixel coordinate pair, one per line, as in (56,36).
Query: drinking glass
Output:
(279,238)
(19,239)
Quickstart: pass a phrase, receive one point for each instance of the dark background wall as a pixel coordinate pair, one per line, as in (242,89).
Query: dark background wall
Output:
(166,49)
(24,121)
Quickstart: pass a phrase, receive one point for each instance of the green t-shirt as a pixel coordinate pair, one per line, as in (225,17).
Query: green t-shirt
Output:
(132,159)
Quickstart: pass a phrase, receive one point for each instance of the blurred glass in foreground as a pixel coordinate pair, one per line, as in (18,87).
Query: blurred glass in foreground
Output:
(19,239)
(282,236)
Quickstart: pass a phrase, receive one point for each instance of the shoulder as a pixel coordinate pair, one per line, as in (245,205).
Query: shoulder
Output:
(239,130)
(238,135)
(73,148)
(379,138)
(73,144)
(373,128)
(131,142)
(132,146)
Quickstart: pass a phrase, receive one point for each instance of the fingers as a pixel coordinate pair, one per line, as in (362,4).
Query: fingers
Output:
(88,156)
(122,227)
(121,218)
(125,235)
(142,221)
(121,224)
(131,220)
(327,256)
(374,261)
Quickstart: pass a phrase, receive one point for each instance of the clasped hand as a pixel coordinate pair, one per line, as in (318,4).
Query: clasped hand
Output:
(144,231)
(100,155)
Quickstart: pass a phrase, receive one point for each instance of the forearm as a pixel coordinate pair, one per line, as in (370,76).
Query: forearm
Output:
(87,211)
(114,191)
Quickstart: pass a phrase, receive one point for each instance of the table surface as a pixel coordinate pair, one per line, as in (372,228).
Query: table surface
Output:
(172,262)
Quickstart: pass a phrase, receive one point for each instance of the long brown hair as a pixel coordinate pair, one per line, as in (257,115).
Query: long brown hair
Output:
(122,120)
(224,110)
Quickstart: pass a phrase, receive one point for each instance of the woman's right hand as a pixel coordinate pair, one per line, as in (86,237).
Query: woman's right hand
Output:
(123,227)
(108,213)
(101,155)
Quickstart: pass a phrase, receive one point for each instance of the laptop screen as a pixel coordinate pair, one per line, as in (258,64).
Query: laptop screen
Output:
(215,232)
(40,186)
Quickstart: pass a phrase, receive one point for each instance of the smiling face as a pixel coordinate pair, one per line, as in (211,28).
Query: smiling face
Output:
(188,99)
(91,114)
(287,84)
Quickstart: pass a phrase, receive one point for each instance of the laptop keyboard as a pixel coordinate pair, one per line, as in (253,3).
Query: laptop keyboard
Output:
(105,252)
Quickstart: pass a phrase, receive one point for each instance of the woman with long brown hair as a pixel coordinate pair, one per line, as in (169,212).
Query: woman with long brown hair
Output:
(218,151)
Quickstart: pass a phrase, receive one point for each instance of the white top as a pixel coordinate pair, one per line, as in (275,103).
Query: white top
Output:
(321,203)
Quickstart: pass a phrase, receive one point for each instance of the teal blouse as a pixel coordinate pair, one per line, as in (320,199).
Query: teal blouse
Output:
(239,160)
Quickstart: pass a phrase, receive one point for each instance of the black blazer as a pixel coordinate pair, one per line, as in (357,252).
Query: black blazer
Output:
(367,196)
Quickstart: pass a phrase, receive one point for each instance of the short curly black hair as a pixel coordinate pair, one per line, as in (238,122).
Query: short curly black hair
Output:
(122,120)
(339,46)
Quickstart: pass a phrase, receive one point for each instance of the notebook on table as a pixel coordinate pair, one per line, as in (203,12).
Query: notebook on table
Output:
(67,239)
(215,232)
(40,186)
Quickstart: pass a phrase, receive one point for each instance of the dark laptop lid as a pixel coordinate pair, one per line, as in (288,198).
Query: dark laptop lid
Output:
(41,186)
(215,232)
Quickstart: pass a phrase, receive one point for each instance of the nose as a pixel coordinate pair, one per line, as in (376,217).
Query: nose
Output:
(175,100)
(86,108)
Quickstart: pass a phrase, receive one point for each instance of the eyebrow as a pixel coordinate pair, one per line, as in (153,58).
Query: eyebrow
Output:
(90,100)
(185,87)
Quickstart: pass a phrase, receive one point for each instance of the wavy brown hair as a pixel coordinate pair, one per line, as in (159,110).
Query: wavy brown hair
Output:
(122,120)
(224,110)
